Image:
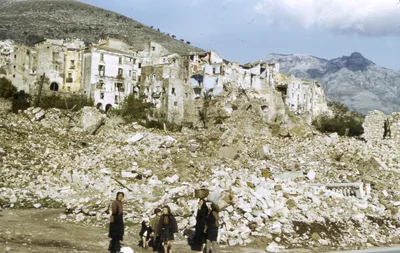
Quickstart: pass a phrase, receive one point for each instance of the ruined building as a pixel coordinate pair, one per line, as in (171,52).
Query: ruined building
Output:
(176,84)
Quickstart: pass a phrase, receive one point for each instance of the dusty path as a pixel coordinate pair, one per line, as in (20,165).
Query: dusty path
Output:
(35,230)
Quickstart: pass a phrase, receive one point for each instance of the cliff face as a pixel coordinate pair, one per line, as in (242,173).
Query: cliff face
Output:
(352,80)
(32,20)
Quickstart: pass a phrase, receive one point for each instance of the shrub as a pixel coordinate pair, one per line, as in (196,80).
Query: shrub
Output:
(7,90)
(20,101)
(75,102)
(133,109)
(344,122)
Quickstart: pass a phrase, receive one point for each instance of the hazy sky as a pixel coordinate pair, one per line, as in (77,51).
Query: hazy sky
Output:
(248,30)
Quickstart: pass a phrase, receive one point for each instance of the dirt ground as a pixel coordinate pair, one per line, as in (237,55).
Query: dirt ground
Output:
(34,230)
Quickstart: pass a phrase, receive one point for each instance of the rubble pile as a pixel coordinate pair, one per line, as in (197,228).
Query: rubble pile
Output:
(300,188)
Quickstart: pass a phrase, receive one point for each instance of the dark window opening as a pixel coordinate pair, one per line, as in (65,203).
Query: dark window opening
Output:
(54,86)
(119,87)
(102,70)
(173,91)
(102,95)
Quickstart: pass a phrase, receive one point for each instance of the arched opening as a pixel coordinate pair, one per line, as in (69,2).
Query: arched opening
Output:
(108,107)
(54,86)
(99,106)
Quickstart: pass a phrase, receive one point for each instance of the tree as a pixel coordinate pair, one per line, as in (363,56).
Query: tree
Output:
(7,90)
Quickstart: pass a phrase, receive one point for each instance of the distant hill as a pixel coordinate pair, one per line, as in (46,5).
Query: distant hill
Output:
(27,21)
(352,80)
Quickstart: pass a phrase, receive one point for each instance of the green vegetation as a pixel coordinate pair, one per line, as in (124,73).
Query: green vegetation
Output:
(344,121)
(133,109)
(21,101)
(75,102)
(7,89)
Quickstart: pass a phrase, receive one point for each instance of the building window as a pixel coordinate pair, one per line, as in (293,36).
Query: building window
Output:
(119,87)
(101,57)
(68,88)
(120,71)
(134,60)
(134,76)
(154,78)
(214,70)
(139,78)
(140,65)
(72,65)
(102,70)
(175,103)
(130,73)
(101,95)
(116,99)
(153,48)
(69,78)
(120,60)
(173,91)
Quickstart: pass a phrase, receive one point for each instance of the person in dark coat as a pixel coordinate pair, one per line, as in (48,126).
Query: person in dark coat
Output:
(199,239)
(116,231)
(212,228)
(166,228)
(155,238)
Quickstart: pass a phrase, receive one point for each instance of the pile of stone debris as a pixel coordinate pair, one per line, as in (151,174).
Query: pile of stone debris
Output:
(300,188)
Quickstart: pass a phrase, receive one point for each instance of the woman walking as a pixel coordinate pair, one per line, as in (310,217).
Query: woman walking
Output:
(199,238)
(116,231)
(212,228)
(166,228)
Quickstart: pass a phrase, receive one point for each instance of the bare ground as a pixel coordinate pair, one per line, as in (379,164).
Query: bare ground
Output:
(34,230)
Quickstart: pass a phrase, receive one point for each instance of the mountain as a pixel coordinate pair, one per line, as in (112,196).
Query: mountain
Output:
(352,80)
(27,21)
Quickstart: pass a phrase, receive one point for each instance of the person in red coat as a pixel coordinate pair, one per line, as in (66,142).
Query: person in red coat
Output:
(166,228)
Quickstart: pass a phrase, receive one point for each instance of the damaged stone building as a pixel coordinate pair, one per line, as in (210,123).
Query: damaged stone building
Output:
(178,85)
(6,51)
(302,96)
(111,71)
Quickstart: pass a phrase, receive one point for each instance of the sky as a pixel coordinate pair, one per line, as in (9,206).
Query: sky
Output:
(248,30)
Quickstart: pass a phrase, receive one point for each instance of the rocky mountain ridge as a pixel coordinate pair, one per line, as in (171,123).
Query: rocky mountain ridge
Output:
(352,80)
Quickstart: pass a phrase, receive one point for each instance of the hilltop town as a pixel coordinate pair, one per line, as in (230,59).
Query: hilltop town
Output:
(176,84)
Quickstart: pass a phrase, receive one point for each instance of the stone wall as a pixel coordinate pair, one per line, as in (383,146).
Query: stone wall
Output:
(378,126)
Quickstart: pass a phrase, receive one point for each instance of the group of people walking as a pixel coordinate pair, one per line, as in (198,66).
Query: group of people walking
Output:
(158,233)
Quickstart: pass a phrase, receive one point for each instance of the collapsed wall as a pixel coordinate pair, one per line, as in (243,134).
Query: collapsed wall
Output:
(378,126)
(292,191)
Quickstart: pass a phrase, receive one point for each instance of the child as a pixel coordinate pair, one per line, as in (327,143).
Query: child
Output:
(145,234)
